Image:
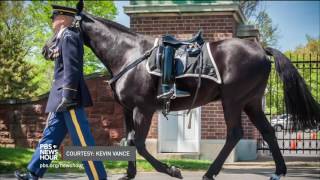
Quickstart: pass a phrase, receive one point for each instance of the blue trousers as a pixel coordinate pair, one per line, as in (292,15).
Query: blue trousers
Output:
(75,122)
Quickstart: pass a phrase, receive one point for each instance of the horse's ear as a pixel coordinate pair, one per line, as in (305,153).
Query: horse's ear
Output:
(80,5)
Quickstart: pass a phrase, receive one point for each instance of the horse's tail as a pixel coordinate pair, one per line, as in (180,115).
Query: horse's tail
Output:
(300,104)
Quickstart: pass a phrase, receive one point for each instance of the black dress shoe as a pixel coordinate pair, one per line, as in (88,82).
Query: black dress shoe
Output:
(25,176)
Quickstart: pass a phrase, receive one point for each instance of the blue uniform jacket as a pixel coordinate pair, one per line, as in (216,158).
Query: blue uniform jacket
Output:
(68,72)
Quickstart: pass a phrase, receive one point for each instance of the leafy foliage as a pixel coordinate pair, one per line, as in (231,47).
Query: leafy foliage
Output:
(312,47)
(16,75)
(41,11)
(23,70)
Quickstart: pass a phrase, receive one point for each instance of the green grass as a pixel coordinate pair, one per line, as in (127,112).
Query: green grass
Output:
(12,159)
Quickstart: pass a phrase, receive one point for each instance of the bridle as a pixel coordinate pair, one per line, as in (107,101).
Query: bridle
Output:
(76,21)
(78,17)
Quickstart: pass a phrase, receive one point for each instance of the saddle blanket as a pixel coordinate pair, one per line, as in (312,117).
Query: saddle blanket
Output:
(188,66)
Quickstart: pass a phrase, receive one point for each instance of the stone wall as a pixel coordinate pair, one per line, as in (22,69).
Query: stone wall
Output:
(22,122)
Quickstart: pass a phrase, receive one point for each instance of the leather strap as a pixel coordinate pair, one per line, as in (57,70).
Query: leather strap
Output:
(112,81)
(132,65)
(199,85)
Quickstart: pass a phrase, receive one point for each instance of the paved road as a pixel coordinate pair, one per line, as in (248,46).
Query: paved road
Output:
(230,173)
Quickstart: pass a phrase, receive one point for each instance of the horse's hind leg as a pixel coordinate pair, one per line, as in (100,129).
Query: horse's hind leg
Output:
(258,118)
(142,122)
(232,114)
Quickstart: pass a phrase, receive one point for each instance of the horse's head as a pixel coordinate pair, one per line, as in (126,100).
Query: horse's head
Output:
(86,25)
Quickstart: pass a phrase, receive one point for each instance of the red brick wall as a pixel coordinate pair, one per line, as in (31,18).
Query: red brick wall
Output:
(215,27)
(153,132)
(213,125)
(22,124)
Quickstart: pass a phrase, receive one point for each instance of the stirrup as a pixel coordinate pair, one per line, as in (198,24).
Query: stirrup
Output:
(180,93)
(166,95)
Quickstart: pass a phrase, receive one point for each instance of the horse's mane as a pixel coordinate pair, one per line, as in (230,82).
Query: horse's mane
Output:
(118,26)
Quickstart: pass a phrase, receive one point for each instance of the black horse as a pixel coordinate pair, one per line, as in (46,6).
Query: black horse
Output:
(244,67)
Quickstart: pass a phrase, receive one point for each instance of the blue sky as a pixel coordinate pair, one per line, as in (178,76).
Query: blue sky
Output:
(295,19)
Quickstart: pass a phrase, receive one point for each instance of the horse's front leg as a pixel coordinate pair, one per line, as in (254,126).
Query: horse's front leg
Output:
(142,122)
(129,141)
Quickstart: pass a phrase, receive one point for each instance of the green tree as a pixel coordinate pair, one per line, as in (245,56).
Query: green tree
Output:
(268,31)
(24,29)
(16,74)
(312,48)
(40,11)
(248,7)
(260,18)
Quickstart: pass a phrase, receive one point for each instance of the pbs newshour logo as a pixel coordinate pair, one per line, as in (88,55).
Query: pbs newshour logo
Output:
(48,152)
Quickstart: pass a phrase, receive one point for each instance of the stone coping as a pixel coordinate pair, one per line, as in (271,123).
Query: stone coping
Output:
(190,8)
(43,96)
(247,31)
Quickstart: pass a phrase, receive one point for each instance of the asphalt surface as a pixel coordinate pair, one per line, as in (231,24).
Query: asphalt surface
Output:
(231,172)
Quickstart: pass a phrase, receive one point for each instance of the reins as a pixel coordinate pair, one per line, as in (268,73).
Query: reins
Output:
(112,81)
(132,65)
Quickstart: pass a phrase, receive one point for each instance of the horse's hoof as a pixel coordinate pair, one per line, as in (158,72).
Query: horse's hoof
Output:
(274,177)
(175,172)
(126,177)
(207,178)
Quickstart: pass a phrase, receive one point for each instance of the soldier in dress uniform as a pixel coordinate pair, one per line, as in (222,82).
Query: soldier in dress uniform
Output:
(68,97)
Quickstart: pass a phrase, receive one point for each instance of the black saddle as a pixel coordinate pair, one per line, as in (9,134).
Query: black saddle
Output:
(172,41)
